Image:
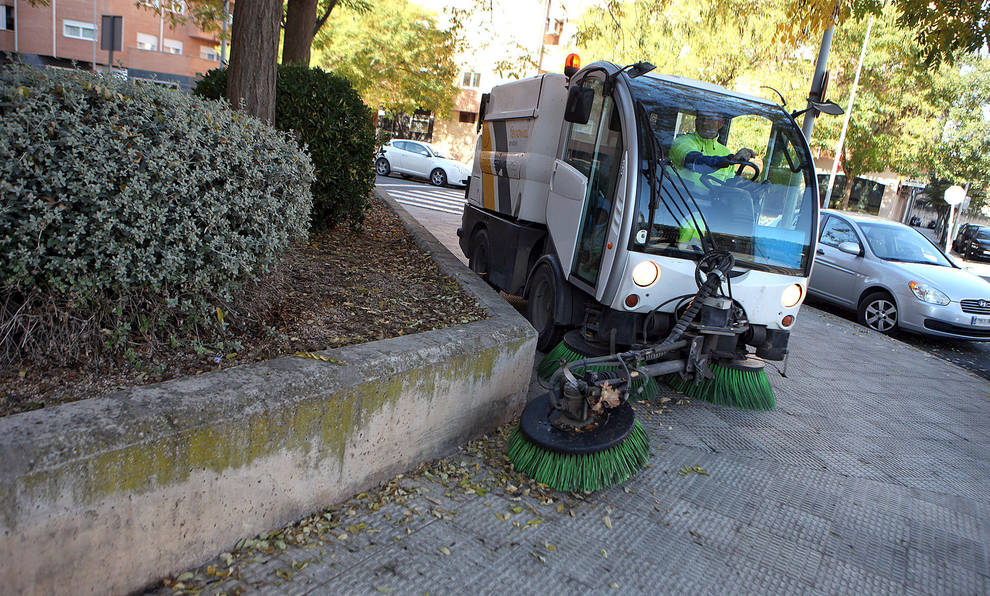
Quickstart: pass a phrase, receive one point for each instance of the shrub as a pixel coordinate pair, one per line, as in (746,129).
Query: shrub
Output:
(330,118)
(133,209)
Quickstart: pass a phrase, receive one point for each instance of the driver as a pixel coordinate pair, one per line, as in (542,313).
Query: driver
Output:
(698,153)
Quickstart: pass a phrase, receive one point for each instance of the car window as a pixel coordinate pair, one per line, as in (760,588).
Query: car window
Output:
(898,243)
(837,231)
(401,145)
(417,148)
(983,233)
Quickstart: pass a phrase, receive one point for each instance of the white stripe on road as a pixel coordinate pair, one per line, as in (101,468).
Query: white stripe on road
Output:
(421,188)
(426,197)
(426,205)
(457,203)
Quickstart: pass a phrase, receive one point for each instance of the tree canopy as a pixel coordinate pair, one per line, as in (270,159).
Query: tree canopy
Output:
(916,118)
(943,29)
(395,55)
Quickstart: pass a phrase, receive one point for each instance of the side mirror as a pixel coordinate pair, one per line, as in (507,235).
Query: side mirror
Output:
(579,102)
(828,107)
(851,248)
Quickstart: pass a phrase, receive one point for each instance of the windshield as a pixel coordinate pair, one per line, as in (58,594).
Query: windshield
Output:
(896,243)
(983,234)
(732,166)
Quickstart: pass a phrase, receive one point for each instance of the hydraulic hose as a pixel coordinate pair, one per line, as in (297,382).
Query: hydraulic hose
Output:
(719,264)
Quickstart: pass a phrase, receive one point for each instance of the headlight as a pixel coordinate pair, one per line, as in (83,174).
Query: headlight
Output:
(792,295)
(928,294)
(645,273)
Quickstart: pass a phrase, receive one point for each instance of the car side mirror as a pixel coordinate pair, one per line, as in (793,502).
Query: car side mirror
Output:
(828,107)
(579,102)
(851,248)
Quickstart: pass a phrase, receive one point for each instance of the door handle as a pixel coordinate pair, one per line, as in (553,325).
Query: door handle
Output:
(820,252)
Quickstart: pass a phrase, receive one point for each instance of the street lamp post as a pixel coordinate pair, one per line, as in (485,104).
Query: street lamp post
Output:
(953,196)
(817,82)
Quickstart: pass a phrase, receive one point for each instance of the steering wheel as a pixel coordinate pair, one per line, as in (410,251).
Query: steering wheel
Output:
(743,164)
(740,182)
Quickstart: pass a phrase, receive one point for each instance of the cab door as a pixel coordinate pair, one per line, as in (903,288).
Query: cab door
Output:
(595,150)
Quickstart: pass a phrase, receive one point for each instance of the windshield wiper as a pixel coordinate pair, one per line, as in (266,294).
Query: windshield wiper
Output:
(656,186)
(898,260)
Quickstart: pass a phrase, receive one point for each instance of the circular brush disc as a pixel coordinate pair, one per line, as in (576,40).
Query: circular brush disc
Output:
(743,364)
(576,342)
(535,425)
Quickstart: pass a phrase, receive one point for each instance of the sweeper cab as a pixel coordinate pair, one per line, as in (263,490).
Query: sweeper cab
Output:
(652,249)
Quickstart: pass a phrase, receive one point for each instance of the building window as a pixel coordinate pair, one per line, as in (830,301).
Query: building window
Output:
(6,17)
(471,79)
(466,117)
(172,46)
(147,42)
(79,30)
(209,53)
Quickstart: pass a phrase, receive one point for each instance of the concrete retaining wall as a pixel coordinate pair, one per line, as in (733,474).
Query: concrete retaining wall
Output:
(109,494)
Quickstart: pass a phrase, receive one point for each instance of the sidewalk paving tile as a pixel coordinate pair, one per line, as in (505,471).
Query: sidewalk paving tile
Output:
(872,476)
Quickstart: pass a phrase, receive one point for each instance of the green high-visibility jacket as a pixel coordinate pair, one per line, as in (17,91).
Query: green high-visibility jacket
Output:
(691,142)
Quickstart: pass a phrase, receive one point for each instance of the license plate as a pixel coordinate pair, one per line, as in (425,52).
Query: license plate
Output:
(981,322)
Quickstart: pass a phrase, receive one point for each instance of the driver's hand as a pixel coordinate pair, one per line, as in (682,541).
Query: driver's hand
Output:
(744,154)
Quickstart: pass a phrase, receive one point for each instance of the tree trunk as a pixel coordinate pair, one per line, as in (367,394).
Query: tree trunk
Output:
(254,57)
(846,193)
(300,28)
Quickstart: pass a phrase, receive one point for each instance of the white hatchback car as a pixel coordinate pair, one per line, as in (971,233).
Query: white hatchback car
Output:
(416,158)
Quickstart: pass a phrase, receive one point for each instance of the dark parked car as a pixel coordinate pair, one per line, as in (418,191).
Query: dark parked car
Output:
(976,245)
(915,221)
(966,234)
(931,224)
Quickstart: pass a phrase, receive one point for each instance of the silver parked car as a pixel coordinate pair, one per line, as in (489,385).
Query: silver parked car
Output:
(895,277)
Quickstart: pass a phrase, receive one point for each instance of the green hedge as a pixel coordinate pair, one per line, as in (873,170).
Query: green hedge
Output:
(337,128)
(110,190)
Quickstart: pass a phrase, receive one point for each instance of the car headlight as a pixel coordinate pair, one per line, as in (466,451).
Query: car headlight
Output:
(791,296)
(928,294)
(645,273)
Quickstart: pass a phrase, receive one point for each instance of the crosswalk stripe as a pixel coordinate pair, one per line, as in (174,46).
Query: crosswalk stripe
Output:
(429,191)
(452,203)
(425,204)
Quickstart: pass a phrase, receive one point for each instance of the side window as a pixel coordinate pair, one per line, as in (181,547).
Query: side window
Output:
(400,145)
(418,149)
(837,231)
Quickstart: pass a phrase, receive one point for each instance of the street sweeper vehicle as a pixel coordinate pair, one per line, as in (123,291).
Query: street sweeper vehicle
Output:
(659,228)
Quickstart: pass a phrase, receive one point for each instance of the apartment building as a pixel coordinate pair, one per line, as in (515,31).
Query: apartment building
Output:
(66,34)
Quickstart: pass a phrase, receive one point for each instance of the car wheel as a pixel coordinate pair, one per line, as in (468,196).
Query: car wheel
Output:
(438,177)
(540,306)
(382,167)
(479,261)
(879,312)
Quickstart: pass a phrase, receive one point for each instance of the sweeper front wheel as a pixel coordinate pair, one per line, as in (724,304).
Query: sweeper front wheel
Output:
(578,460)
